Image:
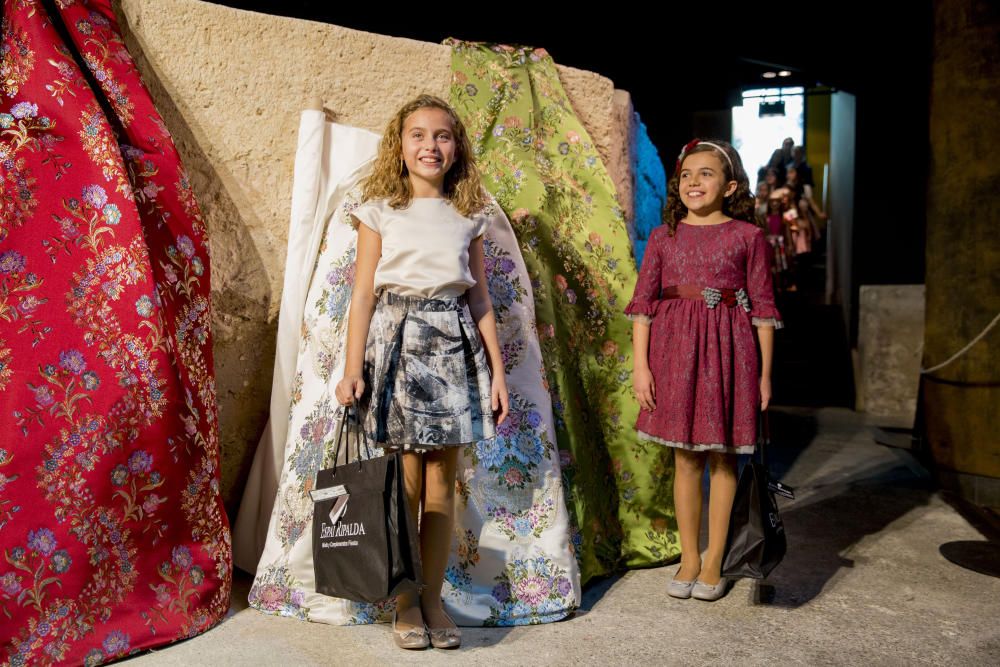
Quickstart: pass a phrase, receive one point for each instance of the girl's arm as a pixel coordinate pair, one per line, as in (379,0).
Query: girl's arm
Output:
(641,309)
(642,377)
(765,336)
(764,313)
(481,308)
(352,386)
(814,207)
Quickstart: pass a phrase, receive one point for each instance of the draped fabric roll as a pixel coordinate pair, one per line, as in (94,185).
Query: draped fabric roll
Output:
(512,561)
(321,180)
(543,168)
(113,537)
(650,183)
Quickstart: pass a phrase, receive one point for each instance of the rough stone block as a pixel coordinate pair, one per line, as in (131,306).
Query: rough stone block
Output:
(890,345)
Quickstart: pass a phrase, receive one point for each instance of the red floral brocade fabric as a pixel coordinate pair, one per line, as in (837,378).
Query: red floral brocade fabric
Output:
(113,537)
(704,360)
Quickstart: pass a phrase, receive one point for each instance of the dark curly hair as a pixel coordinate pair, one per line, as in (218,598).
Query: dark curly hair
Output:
(738,206)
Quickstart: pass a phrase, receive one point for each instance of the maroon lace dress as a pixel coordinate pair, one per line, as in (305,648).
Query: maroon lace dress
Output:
(703,356)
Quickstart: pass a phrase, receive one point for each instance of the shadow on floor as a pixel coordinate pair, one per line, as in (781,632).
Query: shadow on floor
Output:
(821,533)
(596,589)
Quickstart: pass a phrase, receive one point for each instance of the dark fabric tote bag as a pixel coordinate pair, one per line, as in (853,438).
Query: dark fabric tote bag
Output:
(365,545)
(756,540)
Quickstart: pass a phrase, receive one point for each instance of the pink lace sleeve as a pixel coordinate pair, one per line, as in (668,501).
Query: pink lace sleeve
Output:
(646,297)
(763,312)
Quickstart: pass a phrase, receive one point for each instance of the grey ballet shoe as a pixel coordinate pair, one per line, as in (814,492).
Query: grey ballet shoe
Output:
(446,637)
(703,591)
(414,639)
(680,589)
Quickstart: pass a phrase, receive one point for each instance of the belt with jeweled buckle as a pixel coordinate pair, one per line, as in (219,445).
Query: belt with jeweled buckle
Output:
(712,296)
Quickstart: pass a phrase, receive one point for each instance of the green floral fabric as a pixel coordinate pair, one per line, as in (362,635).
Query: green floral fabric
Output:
(544,170)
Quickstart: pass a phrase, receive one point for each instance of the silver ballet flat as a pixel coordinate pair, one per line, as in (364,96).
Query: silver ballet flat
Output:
(445,637)
(414,639)
(680,589)
(703,591)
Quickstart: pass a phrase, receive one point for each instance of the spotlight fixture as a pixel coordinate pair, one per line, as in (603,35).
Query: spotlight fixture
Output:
(784,72)
(769,75)
(768,109)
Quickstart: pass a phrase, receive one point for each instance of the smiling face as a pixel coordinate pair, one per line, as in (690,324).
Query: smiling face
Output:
(429,151)
(702,183)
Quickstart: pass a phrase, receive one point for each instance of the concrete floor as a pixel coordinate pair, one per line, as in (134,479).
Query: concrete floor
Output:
(863,583)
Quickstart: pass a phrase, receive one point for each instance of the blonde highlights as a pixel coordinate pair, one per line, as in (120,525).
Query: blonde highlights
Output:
(390,179)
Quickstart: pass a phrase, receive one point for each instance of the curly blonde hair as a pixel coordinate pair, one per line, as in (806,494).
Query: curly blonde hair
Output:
(740,205)
(390,178)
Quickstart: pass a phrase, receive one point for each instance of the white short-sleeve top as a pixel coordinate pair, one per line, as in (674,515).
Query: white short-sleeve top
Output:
(425,246)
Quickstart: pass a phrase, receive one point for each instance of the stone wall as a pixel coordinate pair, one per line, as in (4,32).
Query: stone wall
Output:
(890,344)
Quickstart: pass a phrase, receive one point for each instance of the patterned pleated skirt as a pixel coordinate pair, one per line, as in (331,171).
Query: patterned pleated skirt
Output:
(428,383)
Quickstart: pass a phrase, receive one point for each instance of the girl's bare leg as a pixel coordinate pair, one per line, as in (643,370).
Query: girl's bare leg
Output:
(436,530)
(722,472)
(687,502)
(408,614)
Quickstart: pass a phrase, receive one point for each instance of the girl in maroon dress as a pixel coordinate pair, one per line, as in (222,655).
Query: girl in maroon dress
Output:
(703,290)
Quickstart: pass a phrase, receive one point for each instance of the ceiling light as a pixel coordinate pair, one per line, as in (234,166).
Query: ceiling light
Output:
(784,72)
(768,109)
(769,75)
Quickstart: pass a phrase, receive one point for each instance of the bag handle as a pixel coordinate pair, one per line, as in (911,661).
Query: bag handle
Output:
(764,436)
(349,412)
(764,424)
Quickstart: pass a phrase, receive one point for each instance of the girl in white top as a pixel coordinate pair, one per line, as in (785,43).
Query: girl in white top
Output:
(423,359)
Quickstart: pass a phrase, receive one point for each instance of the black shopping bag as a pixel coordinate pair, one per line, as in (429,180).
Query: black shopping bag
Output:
(755,543)
(365,545)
